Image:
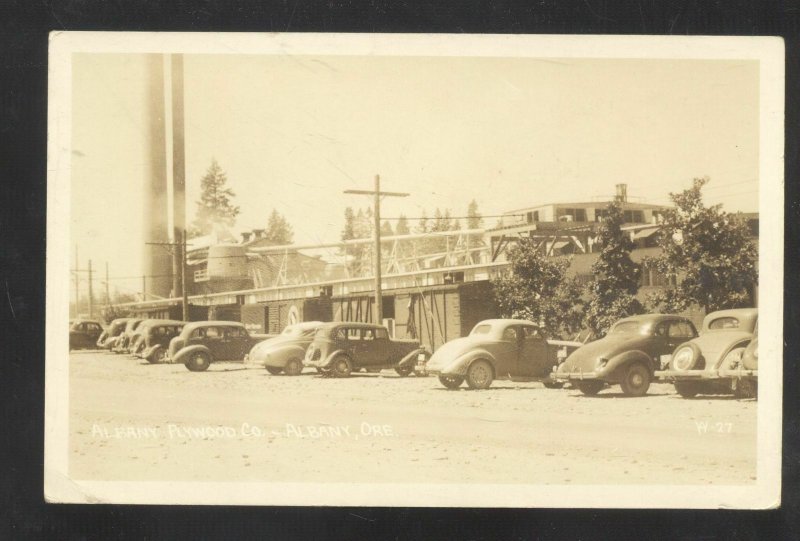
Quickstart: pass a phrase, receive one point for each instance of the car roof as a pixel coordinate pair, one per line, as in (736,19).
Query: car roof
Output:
(506,322)
(307,324)
(350,324)
(83,320)
(156,322)
(653,318)
(199,324)
(739,313)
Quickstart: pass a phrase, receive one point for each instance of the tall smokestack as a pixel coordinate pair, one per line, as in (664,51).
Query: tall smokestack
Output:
(178,169)
(622,193)
(157,261)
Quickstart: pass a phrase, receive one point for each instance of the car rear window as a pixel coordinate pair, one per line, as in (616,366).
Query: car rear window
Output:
(724,323)
(482,329)
(630,327)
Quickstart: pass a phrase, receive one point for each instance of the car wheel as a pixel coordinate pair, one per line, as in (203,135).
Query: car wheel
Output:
(451,382)
(479,375)
(199,362)
(404,370)
(745,388)
(342,367)
(553,384)
(157,356)
(590,387)
(636,380)
(293,367)
(274,370)
(687,389)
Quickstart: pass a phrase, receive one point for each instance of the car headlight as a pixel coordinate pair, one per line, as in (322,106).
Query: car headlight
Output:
(601,362)
(683,359)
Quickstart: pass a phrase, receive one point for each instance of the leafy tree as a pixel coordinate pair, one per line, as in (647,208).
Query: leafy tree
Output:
(215,205)
(537,288)
(707,253)
(615,276)
(279,231)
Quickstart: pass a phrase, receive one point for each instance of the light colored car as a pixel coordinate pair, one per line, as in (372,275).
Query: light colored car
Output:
(629,355)
(285,352)
(514,349)
(715,362)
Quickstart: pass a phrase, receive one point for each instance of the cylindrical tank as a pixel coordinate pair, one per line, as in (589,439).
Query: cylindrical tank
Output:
(227,261)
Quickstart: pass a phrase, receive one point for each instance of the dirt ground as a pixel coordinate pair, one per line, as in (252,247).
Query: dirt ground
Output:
(133,421)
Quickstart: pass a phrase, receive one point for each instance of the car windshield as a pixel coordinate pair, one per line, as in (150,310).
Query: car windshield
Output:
(482,329)
(323,332)
(631,327)
(290,330)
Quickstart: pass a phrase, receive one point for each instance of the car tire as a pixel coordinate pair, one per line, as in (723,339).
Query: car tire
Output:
(590,387)
(636,380)
(198,362)
(293,367)
(697,357)
(745,388)
(157,356)
(480,375)
(342,366)
(687,389)
(274,370)
(404,371)
(451,382)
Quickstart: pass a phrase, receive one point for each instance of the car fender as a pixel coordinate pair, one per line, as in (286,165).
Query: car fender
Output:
(329,359)
(738,343)
(411,358)
(459,366)
(279,356)
(618,363)
(152,350)
(102,339)
(183,355)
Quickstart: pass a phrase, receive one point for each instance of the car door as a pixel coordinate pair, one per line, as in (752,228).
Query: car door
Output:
(355,346)
(506,351)
(215,342)
(532,360)
(679,331)
(79,335)
(659,345)
(370,354)
(93,332)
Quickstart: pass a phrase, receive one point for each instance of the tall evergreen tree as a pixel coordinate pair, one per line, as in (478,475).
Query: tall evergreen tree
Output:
(402,227)
(615,276)
(215,206)
(279,231)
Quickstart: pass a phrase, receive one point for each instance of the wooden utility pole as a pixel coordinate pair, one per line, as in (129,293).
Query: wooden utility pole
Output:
(77,286)
(184,291)
(90,289)
(108,296)
(377,193)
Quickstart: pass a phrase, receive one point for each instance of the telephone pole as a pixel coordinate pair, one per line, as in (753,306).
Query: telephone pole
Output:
(377,193)
(108,296)
(77,286)
(90,289)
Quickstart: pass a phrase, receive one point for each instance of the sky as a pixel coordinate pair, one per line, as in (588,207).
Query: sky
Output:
(293,132)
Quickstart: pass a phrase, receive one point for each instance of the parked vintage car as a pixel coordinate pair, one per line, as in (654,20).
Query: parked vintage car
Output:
(285,352)
(722,360)
(123,341)
(203,342)
(83,333)
(136,340)
(341,348)
(514,349)
(629,355)
(156,337)
(109,337)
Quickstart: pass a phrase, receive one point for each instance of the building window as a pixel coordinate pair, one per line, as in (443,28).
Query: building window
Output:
(575,215)
(634,217)
(532,216)
(454,277)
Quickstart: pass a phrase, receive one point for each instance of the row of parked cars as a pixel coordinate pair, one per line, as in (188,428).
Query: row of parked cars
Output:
(721,358)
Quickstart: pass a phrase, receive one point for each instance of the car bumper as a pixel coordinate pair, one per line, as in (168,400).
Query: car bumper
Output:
(570,376)
(697,375)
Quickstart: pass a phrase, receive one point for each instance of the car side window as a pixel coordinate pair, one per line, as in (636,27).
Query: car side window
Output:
(532,332)
(681,329)
(213,332)
(369,334)
(381,334)
(724,323)
(510,334)
(661,329)
(341,334)
(354,334)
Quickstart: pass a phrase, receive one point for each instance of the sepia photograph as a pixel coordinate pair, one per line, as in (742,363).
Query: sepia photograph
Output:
(414,270)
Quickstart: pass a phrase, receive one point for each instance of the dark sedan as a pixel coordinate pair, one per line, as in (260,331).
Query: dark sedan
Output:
(628,355)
